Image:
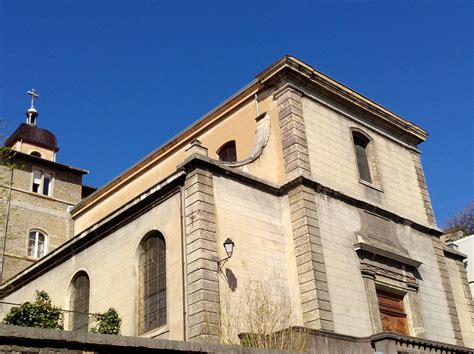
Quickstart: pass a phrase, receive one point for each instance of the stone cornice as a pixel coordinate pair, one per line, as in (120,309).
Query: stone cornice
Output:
(17,155)
(170,147)
(285,64)
(162,191)
(200,160)
(324,82)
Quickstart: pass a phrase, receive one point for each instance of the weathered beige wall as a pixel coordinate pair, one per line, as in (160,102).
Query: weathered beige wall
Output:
(260,226)
(333,163)
(112,268)
(29,148)
(239,125)
(338,223)
(460,299)
(432,296)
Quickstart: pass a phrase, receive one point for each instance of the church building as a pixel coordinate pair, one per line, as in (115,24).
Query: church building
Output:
(296,185)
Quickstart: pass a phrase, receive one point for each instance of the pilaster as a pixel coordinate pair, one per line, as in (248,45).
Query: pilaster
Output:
(372,300)
(312,279)
(453,314)
(423,188)
(201,257)
(467,290)
(293,134)
(414,310)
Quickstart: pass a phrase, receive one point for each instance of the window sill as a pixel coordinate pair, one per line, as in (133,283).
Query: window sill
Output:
(47,197)
(156,332)
(371,185)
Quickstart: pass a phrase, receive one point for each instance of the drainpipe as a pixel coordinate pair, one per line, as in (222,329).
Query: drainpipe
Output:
(256,105)
(7,217)
(184,264)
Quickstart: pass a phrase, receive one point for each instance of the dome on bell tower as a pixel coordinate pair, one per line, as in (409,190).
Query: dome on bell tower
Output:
(30,139)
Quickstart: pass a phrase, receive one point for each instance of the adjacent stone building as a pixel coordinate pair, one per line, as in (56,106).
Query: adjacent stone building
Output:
(36,195)
(323,194)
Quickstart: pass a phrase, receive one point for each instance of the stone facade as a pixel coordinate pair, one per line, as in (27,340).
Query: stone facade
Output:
(307,229)
(23,210)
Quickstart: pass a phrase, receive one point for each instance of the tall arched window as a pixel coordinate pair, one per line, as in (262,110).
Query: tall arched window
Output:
(228,152)
(152,288)
(361,146)
(36,244)
(79,303)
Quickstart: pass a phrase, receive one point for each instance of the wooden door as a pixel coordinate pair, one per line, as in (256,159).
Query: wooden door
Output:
(392,312)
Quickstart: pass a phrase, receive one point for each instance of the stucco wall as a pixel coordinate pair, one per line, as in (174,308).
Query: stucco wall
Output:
(431,293)
(461,300)
(339,222)
(263,256)
(237,124)
(333,162)
(112,264)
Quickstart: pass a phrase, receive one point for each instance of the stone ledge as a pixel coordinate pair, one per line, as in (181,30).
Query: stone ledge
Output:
(13,338)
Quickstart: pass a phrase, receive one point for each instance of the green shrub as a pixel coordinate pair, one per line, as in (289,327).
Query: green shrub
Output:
(108,322)
(40,313)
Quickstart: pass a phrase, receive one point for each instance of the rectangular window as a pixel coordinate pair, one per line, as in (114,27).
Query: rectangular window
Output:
(46,183)
(36,244)
(392,312)
(41,183)
(36,181)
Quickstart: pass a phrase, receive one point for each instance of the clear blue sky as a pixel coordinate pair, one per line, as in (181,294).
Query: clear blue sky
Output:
(119,78)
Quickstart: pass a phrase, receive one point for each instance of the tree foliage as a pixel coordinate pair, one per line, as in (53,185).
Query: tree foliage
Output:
(462,221)
(40,313)
(108,322)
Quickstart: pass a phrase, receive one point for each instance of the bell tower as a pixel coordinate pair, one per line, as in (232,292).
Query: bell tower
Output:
(36,194)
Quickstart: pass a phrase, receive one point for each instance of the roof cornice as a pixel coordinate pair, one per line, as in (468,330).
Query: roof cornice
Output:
(344,93)
(284,64)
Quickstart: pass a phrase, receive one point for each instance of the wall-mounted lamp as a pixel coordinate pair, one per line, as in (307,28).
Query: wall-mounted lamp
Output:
(229,249)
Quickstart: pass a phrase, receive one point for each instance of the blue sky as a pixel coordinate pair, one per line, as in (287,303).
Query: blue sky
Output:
(119,78)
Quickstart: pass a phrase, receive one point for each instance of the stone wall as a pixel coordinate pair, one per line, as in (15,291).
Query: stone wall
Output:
(112,267)
(333,162)
(339,223)
(35,340)
(263,263)
(27,210)
(462,299)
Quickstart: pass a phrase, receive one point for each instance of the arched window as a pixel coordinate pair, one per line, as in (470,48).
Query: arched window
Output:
(36,244)
(35,153)
(79,303)
(152,277)
(228,152)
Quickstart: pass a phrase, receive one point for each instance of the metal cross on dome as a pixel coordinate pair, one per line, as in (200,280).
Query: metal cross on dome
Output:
(33,95)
